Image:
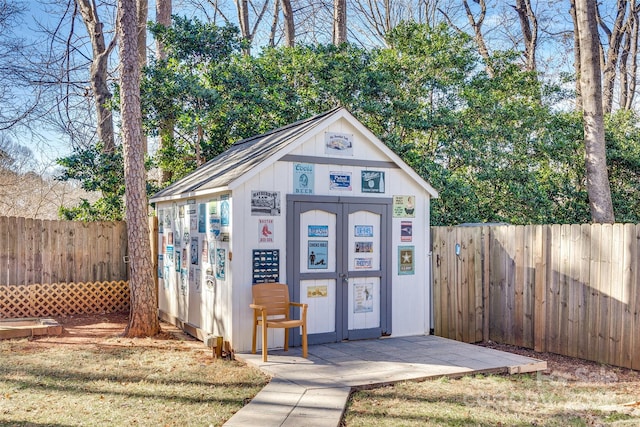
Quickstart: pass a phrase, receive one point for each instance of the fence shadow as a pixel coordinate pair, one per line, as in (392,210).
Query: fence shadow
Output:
(566,289)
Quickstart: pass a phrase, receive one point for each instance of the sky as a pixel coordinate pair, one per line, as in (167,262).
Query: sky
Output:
(46,143)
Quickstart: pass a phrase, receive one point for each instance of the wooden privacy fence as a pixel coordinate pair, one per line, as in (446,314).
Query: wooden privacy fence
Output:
(39,251)
(567,289)
(63,299)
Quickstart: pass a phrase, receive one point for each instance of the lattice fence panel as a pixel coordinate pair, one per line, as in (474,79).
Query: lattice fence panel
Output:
(62,299)
(15,302)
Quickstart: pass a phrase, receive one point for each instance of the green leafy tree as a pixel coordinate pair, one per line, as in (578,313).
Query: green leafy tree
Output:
(623,158)
(495,146)
(97,171)
(179,89)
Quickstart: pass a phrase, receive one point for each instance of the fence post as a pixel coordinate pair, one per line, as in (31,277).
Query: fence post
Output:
(486,272)
(540,305)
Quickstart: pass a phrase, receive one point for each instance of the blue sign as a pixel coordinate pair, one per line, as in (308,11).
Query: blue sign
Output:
(202,218)
(340,181)
(224,210)
(363,231)
(302,178)
(318,231)
(318,254)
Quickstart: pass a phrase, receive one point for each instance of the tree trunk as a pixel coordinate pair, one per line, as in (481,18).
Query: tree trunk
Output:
(246,30)
(590,80)
(624,72)
(529,26)
(611,61)
(166,134)
(99,73)
(199,159)
(576,55)
(628,59)
(274,23)
(143,319)
(339,22)
(289,24)
(143,12)
(633,73)
(163,17)
(243,20)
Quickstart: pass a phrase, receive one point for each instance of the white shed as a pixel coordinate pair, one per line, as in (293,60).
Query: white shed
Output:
(321,205)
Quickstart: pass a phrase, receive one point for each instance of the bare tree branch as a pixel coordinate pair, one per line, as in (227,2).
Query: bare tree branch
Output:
(476,24)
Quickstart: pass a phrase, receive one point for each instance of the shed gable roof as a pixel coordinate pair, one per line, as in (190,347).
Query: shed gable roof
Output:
(247,154)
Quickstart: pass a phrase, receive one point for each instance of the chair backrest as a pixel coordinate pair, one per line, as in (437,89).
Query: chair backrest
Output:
(274,296)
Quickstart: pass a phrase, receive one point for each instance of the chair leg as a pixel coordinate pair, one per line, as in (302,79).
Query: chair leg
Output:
(253,343)
(264,341)
(286,339)
(304,341)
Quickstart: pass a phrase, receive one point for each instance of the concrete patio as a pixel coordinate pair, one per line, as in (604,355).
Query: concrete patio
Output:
(315,391)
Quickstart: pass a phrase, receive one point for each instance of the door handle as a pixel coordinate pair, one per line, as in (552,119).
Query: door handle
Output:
(344,276)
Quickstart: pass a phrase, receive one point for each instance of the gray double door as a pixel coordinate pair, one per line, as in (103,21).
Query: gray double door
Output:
(338,255)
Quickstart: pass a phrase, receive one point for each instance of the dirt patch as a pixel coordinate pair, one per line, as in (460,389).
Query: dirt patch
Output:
(107,330)
(573,369)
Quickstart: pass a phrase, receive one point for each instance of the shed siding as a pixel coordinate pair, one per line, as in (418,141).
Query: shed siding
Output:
(201,306)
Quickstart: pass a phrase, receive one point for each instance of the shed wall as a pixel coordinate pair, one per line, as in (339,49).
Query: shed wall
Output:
(410,293)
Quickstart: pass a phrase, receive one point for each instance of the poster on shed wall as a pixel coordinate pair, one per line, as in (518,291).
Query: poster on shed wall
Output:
(202,218)
(195,251)
(197,281)
(406,260)
(265,203)
(372,181)
(265,230)
(404,206)
(224,210)
(317,291)
(266,265)
(340,144)
(184,281)
(318,254)
(362,298)
(340,181)
(221,258)
(303,179)
(406,231)
(215,224)
(209,279)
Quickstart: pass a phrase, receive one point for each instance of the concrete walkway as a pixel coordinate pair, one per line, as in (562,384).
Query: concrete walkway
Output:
(314,391)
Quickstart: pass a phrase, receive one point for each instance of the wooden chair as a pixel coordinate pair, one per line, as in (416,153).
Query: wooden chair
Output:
(271,308)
